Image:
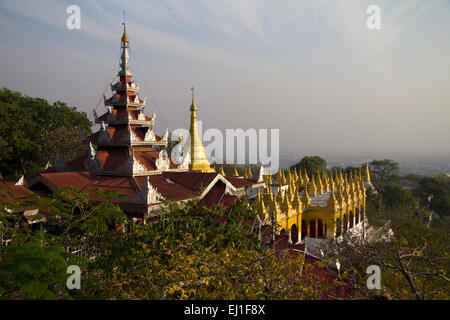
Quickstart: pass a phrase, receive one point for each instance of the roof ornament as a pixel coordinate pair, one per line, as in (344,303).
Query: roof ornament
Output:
(91,163)
(147,194)
(124,36)
(260,177)
(149,135)
(92,152)
(193,106)
(153,196)
(48,165)
(163,162)
(166,135)
(152,121)
(20,182)
(367,173)
(141,116)
(185,162)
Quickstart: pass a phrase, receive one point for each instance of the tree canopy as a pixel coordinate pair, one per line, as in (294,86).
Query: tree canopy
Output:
(435,193)
(31,129)
(313,165)
(384,171)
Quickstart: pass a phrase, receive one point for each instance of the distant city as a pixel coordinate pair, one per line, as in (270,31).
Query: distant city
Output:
(410,163)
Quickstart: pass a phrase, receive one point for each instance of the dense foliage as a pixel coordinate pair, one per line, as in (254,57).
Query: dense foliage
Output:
(32,130)
(435,193)
(414,264)
(313,165)
(188,252)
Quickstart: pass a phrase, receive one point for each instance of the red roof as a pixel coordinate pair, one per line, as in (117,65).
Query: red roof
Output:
(240,182)
(16,191)
(60,180)
(192,180)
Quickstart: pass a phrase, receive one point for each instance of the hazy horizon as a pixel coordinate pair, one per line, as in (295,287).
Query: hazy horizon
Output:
(310,68)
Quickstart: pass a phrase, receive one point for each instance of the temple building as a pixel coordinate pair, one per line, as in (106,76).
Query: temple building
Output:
(319,207)
(126,155)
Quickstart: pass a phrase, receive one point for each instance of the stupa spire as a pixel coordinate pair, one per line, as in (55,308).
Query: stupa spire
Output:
(199,162)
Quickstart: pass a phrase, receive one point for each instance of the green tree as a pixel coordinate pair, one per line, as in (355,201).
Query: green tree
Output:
(435,193)
(414,262)
(25,122)
(395,196)
(384,171)
(313,165)
(34,264)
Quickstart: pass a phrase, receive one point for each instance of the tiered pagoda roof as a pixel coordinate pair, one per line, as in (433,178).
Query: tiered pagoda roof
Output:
(126,155)
(126,141)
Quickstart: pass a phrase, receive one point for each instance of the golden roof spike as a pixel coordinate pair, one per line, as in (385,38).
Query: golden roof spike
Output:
(313,186)
(306,177)
(319,183)
(285,205)
(193,106)
(306,199)
(236,173)
(367,175)
(332,203)
(297,203)
(124,35)
(199,162)
(295,175)
(340,197)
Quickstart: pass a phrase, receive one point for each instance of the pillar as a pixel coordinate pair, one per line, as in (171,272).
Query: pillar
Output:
(316,224)
(299,227)
(308,230)
(324,228)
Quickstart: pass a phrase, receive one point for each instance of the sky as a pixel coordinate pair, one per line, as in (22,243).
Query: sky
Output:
(310,68)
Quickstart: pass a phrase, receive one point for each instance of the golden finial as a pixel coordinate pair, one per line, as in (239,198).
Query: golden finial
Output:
(332,203)
(297,203)
(313,186)
(235,172)
(340,197)
(367,175)
(193,106)
(295,175)
(222,172)
(124,35)
(319,183)
(306,199)
(285,205)
(306,177)
(199,162)
(326,184)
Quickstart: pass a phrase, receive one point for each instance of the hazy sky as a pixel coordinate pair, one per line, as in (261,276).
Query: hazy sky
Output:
(310,68)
